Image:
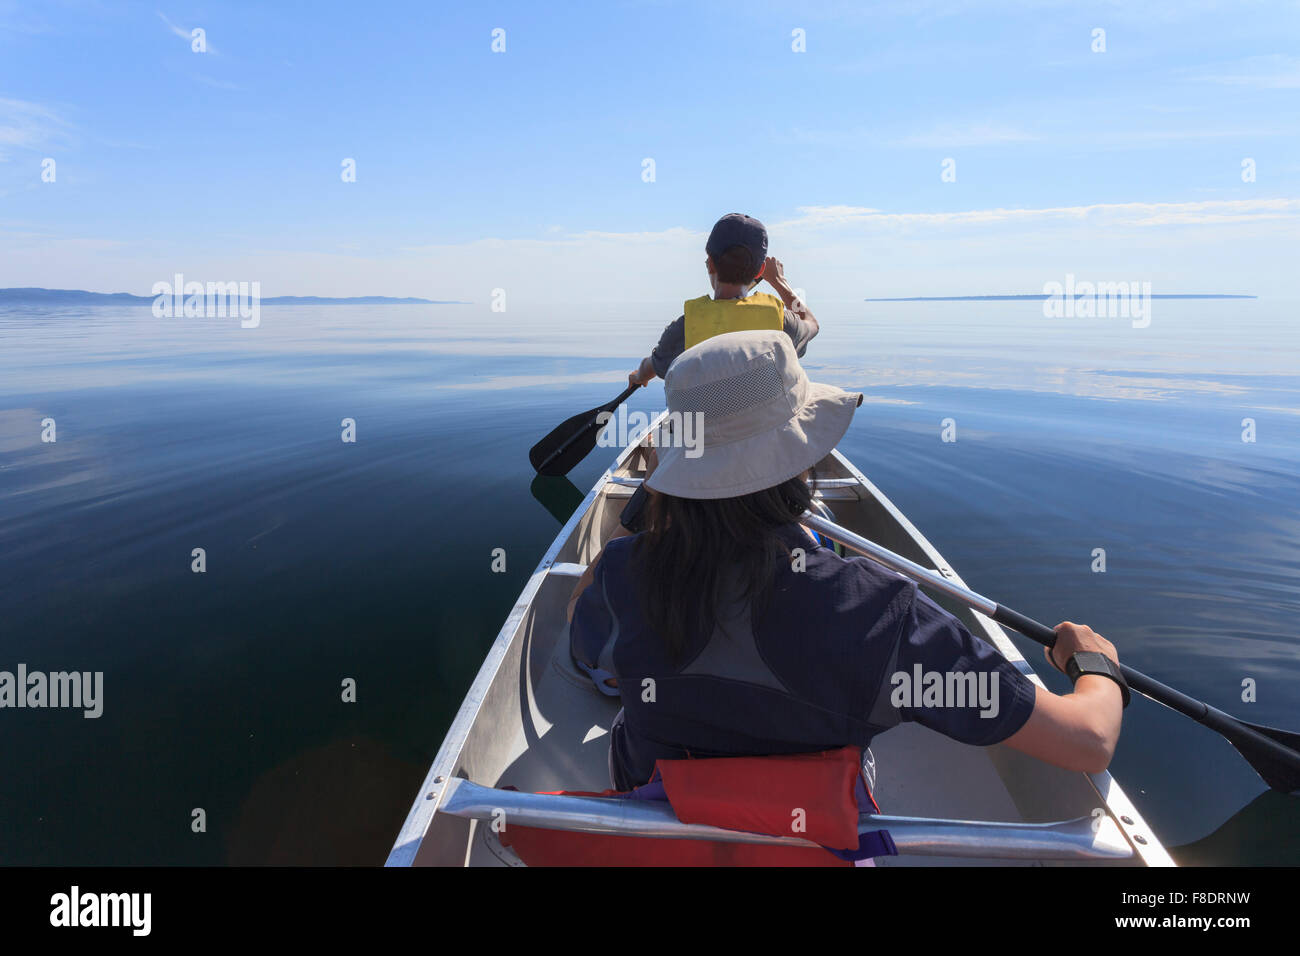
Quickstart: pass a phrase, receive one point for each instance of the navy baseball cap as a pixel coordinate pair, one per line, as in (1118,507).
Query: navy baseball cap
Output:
(737,229)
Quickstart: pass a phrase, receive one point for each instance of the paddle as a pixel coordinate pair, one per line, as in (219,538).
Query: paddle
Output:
(570,442)
(1274,754)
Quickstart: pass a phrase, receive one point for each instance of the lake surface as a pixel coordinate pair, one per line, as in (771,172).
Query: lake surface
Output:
(370,561)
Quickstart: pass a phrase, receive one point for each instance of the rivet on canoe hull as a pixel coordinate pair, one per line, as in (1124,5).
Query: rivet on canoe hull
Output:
(430,795)
(1128,820)
(1140,839)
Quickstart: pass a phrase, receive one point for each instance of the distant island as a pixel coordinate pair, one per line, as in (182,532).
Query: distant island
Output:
(80,297)
(1040,296)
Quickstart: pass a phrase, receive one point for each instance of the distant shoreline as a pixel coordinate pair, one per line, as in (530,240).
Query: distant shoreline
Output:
(1041,296)
(81,297)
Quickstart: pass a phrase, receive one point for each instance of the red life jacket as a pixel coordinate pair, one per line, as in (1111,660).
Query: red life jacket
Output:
(811,796)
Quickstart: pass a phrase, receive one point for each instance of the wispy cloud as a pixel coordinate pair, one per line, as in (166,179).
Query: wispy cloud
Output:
(1049,133)
(1148,136)
(980,134)
(179,31)
(557,237)
(186,35)
(947,136)
(215,83)
(1273,72)
(22,237)
(209,50)
(927,11)
(1118,214)
(28,126)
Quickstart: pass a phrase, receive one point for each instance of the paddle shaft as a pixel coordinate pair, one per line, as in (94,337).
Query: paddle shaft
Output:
(1236,731)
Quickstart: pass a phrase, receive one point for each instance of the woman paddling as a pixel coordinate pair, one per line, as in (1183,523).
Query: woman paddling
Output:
(729,631)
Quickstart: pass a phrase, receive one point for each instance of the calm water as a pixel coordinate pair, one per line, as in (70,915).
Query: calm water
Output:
(370,561)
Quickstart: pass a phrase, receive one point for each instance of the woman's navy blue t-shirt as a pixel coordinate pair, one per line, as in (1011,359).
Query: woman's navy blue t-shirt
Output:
(844,650)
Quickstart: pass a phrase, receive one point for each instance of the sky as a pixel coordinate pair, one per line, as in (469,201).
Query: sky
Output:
(525,169)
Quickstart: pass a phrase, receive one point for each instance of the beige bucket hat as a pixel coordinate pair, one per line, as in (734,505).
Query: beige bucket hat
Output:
(763,421)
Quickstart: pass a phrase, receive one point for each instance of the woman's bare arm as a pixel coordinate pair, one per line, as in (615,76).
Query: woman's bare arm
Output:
(1076,731)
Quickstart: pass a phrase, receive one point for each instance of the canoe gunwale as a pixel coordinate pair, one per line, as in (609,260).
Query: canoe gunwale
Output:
(432,792)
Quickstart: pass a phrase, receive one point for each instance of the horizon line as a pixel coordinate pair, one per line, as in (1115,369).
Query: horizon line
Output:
(1045,295)
(268,300)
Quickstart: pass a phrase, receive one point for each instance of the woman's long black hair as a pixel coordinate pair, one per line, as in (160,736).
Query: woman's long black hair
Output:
(698,554)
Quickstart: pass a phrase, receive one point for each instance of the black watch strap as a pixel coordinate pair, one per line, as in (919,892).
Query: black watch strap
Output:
(1095,662)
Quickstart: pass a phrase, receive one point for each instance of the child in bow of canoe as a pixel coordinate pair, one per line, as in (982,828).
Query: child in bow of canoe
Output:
(736,258)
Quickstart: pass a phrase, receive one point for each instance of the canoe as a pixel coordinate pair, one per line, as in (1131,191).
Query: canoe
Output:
(532,722)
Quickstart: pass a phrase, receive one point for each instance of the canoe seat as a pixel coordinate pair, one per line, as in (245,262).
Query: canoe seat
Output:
(509,813)
(811,797)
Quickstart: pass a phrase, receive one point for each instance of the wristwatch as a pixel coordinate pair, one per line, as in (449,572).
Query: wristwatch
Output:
(1095,662)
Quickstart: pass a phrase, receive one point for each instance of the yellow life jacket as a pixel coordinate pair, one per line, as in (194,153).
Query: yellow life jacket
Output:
(707,317)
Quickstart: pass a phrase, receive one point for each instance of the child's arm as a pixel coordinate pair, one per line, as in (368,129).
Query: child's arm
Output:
(644,373)
(774,273)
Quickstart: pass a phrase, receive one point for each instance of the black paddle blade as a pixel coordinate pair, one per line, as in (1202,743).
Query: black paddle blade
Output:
(1278,774)
(572,441)
(568,444)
